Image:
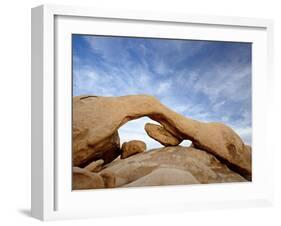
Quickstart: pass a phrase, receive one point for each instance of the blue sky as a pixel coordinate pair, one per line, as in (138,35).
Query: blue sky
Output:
(204,80)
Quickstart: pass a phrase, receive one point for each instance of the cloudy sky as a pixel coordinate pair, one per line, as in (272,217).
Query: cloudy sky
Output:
(204,80)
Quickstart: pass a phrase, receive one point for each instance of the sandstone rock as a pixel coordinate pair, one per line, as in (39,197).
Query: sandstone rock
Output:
(85,152)
(171,165)
(163,136)
(108,178)
(165,176)
(95,166)
(132,147)
(97,119)
(83,179)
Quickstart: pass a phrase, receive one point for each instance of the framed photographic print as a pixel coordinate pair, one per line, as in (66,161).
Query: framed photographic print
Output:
(136,112)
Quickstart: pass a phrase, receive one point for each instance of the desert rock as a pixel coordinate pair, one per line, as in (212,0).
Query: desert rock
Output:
(86,151)
(164,176)
(97,119)
(108,178)
(95,166)
(132,147)
(83,179)
(160,134)
(170,166)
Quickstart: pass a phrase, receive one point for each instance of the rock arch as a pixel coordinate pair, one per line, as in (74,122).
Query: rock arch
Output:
(96,121)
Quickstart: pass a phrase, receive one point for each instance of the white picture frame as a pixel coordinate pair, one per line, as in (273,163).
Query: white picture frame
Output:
(52,197)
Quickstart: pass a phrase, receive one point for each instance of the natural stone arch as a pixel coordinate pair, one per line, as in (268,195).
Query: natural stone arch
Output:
(96,121)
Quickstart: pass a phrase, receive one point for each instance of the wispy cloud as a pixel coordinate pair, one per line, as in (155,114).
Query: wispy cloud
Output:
(208,81)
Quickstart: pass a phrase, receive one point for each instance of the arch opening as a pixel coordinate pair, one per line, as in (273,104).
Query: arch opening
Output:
(134,130)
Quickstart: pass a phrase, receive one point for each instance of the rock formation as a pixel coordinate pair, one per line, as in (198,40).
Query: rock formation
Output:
(164,176)
(164,166)
(108,178)
(163,136)
(85,151)
(96,121)
(170,166)
(84,179)
(132,147)
(95,166)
